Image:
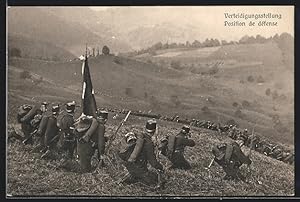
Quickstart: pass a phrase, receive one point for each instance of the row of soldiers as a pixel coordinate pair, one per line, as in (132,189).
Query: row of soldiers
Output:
(260,145)
(58,131)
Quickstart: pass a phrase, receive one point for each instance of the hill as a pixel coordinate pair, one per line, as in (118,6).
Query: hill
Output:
(30,175)
(127,83)
(31,48)
(51,26)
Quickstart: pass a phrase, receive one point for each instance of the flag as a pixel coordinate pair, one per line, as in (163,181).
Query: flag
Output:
(89,106)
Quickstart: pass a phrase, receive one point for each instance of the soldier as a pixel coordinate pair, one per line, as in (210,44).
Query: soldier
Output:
(173,147)
(51,135)
(26,116)
(230,157)
(90,132)
(277,153)
(67,139)
(138,158)
(288,157)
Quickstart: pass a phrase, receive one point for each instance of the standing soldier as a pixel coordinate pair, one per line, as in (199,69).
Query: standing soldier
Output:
(26,115)
(67,140)
(139,156)
(230,157)
(173,147)
(51,135)
(90,132)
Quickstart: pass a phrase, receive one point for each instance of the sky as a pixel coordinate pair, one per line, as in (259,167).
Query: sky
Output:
(211,19)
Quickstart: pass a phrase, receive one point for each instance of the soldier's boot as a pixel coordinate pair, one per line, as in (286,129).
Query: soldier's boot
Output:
(128,179)
(85,152)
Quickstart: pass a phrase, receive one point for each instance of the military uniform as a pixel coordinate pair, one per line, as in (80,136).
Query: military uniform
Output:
(90,138)
(174,147)
(65,123)
(230,157)
(51,135)
(29,116)
(141,156)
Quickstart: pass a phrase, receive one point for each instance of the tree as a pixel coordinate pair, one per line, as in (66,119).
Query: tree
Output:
(268,92)
(196,44)
(224,42)
(105,50)
(250,78)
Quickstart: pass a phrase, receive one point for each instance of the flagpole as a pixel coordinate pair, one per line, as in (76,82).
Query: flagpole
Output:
(86,51)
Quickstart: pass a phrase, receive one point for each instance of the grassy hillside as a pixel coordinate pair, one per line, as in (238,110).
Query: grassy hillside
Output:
(61,82)
(29,175)
(38,49)
(127,83)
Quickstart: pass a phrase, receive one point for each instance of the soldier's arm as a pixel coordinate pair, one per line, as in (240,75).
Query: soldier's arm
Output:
(30,114)
(186,142)
(151,156)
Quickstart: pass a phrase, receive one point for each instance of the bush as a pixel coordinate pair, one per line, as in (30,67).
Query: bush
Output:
(105,50)
(176,65)
(25,75)
(250,78)
(235,104)
(245,103)
(268,92)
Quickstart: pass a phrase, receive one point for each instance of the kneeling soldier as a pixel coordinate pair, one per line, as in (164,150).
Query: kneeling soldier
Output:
(26,116)
(67,140)
(173,147)
(137,151)
(230,157)
(90,132)
(51,135)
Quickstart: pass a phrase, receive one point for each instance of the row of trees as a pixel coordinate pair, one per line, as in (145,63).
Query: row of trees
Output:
(206,43)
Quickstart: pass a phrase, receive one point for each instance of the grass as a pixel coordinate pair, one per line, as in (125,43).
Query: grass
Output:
(28,175)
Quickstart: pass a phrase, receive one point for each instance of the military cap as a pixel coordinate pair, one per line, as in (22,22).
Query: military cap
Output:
(55,109)
(70,106)
(130,136)
(26,107)
(150,125)
(185,128)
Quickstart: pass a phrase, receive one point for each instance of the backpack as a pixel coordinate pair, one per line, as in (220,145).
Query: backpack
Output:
(171,145)
(60,120)
(125,149)
(130,150)
(22,111)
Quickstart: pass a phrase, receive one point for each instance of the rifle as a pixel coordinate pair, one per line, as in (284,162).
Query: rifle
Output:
(30,136)
(113,137)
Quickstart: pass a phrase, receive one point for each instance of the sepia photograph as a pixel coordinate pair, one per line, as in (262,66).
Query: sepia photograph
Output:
(150,101)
